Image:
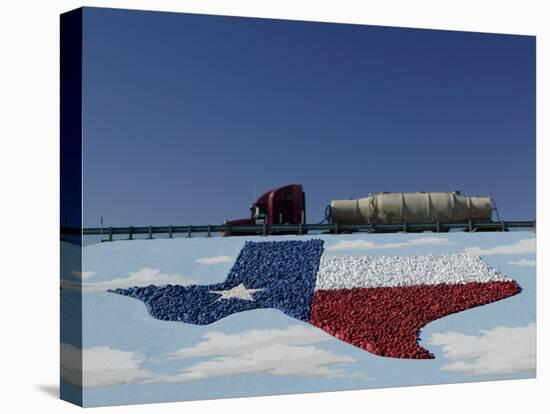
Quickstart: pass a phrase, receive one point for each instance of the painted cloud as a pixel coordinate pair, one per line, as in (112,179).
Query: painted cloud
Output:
(102,366)
(525,246)
(219,343)
(273,351)
(82,275)
(287,351)
(500,351)
(143,277)
(214,260)
(524,262)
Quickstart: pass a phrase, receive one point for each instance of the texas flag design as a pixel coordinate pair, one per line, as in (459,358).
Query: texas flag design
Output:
(377,303)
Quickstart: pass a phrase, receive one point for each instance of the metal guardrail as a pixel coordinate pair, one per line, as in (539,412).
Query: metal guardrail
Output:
(267,229)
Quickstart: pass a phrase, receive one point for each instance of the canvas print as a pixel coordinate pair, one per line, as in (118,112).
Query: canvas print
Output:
(386,177)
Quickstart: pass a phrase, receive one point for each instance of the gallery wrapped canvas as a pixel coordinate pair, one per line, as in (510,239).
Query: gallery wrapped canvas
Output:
(358,264)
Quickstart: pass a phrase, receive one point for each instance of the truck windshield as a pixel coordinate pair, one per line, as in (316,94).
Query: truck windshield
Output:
(257,212)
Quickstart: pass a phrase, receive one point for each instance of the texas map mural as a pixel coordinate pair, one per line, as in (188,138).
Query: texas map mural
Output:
(197,318)
(375,303)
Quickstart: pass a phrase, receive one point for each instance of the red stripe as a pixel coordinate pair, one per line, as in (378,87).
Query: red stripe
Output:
(386,321)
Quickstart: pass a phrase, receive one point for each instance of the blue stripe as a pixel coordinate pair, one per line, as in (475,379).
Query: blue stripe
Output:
(285,270)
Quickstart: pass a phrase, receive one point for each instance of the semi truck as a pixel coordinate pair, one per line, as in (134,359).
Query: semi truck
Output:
(287,205)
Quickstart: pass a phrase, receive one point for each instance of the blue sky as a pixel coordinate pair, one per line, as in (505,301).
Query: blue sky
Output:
(116,328)
(187,116)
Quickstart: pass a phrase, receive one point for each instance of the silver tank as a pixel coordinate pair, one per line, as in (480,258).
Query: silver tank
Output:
(421,207)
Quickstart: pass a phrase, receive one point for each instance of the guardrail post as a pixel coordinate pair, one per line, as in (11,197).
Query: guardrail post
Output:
(130,233)
(503,226)
(437,229)
(264,230)
(208,231)
(189,231)
(227,230)
(170,232)
(336,228)
(110,234)
(404,226)
(300,229)
(150,236)
(470,228)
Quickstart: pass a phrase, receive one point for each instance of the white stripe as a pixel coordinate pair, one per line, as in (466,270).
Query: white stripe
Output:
(346,272)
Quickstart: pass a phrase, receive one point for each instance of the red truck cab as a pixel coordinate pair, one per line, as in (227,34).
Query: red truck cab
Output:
(283,205)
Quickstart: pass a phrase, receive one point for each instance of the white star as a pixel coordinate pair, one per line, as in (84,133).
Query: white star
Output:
(238,292)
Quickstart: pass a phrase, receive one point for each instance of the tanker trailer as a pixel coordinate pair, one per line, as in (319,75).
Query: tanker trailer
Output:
(420,207)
